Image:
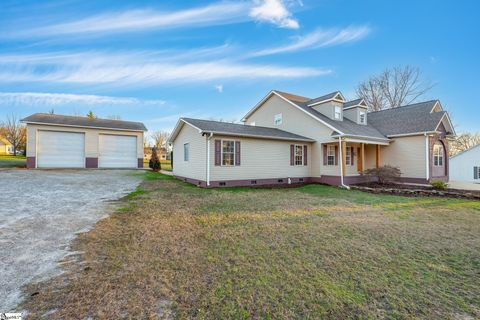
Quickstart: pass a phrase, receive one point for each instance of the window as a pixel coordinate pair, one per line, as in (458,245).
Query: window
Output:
(362,117)
(338,113)
(228,152)
(252,123)
(476,173)
(331,156)
(348,157)
(438,155)
(298,155)
(277,120)
(186,151)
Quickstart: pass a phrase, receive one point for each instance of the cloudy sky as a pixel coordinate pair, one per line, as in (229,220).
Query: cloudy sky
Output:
(154,61)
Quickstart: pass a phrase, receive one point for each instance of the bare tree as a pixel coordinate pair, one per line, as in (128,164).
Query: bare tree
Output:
(464,142)
(160,139)
(393,87)
(14,132)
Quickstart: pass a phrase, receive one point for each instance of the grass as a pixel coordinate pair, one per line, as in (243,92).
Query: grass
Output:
(175,250)
(13,161)
(166,165)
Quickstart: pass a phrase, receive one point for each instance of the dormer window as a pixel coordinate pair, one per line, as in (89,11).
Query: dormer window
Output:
(338,113)
(362,117)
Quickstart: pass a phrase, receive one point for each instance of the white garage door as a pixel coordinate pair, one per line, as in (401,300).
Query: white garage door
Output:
(56,149)
(117,151)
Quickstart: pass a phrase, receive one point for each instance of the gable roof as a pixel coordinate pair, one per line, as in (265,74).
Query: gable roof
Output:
(345,127)
(234,129)
(466,151)
(354,103)
(409,119)
(84,122)
(329,96)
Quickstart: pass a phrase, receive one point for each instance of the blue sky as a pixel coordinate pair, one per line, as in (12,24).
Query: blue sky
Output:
(154,61)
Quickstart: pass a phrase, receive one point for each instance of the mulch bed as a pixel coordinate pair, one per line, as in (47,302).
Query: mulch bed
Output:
(416,190)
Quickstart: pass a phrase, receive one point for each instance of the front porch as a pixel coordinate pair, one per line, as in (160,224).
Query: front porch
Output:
(346,159)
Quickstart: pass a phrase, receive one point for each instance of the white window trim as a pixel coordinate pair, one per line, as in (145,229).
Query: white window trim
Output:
(295,155)
(188,148)
(330,147)
(335,108)
(275,119)
(439,155)
(348,161)
(364,114)
(221,153)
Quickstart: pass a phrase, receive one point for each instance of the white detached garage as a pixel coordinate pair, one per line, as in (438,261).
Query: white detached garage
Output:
(57,141)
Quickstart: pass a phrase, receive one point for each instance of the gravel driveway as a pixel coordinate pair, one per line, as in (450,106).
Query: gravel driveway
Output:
(40,213)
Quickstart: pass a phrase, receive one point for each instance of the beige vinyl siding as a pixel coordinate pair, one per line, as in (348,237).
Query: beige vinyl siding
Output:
(91,138)
(370,156)
(295,121)
(259,159)
(407,153)
(328,109)
(196,166)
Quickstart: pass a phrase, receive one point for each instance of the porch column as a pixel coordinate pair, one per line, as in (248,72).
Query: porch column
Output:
(361,158)
(378,156)
(344,157)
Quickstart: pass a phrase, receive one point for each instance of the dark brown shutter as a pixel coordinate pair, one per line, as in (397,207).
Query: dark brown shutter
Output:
(237,153)
(218,152)
(305,155)
(352,154)
(292,155)
(475,172)
(325,154)
(336,155)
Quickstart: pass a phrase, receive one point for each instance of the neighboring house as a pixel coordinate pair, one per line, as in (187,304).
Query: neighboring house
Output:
(162,153)
(6,147)
(465,166)
(293,139)
(57,141)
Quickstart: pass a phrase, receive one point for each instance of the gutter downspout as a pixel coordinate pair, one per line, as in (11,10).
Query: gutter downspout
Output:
(341,165)
(427,157)
(208,158)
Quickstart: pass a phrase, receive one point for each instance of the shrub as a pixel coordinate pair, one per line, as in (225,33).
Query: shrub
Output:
(154,162)
(384,174)
(439,185)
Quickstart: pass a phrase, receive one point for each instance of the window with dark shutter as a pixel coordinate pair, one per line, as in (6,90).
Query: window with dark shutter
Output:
(476,172)
(353,156)
(218,152)
(325,158)
(305,155)
(292,154)
(237,153)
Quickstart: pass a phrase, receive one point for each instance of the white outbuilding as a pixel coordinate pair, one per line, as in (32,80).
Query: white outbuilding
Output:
(465,166)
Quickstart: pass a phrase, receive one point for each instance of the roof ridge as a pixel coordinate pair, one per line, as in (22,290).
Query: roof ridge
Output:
(405,106)
(291,94)
(80,117)
(238,124)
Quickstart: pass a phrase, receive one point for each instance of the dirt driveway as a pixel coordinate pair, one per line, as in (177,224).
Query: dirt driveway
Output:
(40,213)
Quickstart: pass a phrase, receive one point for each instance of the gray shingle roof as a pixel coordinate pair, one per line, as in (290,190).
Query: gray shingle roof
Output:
(346,126)
(324,97)
(412,118)
(55,119)
(244,130)
(352,103)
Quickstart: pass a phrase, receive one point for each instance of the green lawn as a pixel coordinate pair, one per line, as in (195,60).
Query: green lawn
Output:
(13,161)
(166,165)
(173,249)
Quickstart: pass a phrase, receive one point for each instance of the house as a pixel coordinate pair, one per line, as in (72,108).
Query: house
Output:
(288,138)
(58,141)
(6,147)
(465,166)
(162,153)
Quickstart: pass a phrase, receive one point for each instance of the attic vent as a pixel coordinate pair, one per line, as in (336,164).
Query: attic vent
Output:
(222,184)
(280,180)
(253,182)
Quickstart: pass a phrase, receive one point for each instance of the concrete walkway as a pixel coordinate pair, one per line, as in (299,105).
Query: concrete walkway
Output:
(461,185)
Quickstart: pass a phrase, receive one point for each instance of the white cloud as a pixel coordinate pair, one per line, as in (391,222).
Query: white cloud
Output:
(273,11)
(134,20)
(318,39)
(219,88)
(61,99)
(142,68)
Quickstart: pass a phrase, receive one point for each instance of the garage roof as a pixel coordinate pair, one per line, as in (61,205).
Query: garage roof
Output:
(84,122)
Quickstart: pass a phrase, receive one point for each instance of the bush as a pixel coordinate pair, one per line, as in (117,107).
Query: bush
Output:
(384,174)
(154,162)
(439,185)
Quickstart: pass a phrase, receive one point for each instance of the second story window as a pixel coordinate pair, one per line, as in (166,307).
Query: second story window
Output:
(338,113)
(362,117)
(278,120)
